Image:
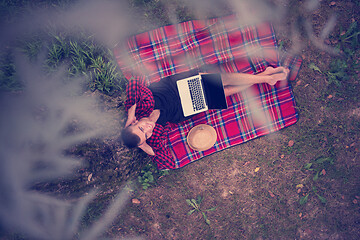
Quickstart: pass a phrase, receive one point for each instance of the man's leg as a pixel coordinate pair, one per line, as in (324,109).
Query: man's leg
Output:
(236,82)
(230,90)
(270,75)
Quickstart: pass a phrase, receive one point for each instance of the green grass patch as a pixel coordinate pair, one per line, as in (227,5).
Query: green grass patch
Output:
(149,175)
(85,58)
(8,78)
(81,56)
(342,73)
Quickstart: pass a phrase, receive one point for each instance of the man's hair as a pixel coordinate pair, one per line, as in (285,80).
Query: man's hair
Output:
(129,139)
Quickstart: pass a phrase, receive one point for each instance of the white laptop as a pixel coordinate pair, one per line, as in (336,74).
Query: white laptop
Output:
(200,93)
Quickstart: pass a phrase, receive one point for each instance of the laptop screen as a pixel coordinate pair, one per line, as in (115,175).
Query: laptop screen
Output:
(214,91)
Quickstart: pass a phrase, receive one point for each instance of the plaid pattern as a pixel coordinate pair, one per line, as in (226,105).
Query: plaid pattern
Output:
(138,93)
(163,158)
(221,45)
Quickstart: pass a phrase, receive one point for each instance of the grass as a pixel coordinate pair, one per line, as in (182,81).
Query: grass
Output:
(320,144)
(345,67)
(81,56)
(8,79)
(85,58)
(321,139)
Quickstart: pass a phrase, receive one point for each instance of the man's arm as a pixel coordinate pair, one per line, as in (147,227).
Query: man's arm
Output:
(138,94)
(163,159)
(131,115)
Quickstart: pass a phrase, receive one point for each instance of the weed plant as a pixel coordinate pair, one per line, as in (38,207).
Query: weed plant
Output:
(195,204)
(305,198)
(32,47)
(319,167)
(149,175)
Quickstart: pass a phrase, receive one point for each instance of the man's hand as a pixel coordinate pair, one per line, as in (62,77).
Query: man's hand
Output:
(131,115)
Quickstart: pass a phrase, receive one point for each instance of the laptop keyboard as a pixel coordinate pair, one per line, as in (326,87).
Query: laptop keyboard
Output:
(196,94)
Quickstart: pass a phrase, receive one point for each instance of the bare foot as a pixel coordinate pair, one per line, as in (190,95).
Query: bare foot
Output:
(275,74)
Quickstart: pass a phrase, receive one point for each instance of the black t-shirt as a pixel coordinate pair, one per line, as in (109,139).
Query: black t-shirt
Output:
(167,99)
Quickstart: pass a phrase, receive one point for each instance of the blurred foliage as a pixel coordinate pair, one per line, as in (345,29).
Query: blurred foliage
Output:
(8,78)
(86,58)
(81,56)
(79,53)
(9,9)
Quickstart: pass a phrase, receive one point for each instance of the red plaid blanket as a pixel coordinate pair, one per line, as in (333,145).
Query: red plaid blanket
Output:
(217,45)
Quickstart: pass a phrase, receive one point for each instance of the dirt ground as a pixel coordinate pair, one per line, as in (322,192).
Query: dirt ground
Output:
(261,189)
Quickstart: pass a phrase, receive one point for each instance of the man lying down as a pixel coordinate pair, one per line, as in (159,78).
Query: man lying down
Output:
(152,109)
